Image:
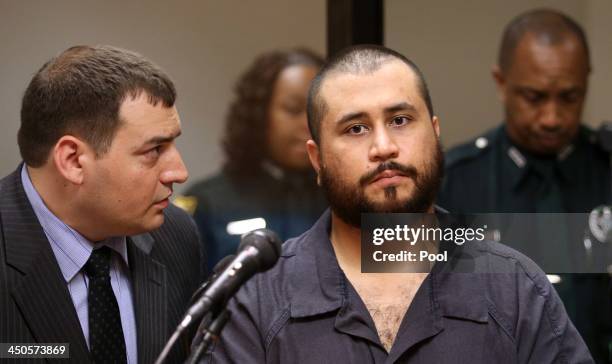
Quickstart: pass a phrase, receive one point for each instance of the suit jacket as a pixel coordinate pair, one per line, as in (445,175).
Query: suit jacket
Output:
(35,305)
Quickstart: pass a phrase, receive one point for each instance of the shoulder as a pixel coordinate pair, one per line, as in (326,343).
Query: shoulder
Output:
(516,288)
(178,232)
(473,150)
(501,258)
(177,219)
(593,140)
(267,296)
(525,304)
(209,193)
(276,283)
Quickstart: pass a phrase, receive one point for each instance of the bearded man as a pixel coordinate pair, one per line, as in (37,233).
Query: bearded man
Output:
(375,148)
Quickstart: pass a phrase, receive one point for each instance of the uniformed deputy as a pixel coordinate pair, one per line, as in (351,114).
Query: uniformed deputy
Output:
(267,180)
(541,159)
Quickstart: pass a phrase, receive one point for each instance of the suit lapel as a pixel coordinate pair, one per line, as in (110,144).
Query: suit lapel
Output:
(150,298)
(41,295)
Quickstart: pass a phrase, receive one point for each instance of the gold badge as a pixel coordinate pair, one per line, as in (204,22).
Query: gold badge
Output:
(187,203)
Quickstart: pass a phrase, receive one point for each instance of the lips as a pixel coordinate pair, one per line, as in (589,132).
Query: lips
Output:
(387,174)
(164,200)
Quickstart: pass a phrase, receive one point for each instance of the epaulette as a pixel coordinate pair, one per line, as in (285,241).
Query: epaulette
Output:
(187,203)
(600,138)
(471,149)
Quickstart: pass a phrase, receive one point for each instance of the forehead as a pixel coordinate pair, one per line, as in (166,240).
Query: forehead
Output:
(141,118)
(393,82)
(535,61)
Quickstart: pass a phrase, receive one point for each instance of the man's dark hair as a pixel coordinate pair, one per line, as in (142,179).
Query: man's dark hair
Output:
(80,92)
(359,59)
(246,124)
(548,26)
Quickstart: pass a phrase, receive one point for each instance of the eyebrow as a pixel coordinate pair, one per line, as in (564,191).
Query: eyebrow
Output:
(160,139)
(400,106)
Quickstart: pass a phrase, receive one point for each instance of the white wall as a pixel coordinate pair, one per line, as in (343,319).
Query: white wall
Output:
(456,43)
(203,44)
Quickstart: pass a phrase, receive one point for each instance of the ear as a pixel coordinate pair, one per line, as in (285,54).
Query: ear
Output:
(500,82)
(435,123)
(313,154)
(69,155)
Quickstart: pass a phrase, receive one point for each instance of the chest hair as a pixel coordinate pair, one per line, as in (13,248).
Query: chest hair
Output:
(388,301)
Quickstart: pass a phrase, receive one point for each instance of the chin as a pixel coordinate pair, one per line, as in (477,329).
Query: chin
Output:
(150,224)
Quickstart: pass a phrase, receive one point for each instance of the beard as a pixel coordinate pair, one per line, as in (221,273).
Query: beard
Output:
(349,201)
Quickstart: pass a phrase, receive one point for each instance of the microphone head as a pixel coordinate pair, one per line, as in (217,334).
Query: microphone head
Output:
(268,245)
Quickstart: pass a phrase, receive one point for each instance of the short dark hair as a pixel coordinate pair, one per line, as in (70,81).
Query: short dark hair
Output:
(546,25)
(359,59)
(246,124)
(80,92)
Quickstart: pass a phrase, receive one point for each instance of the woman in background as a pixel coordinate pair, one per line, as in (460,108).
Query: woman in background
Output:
(266,180)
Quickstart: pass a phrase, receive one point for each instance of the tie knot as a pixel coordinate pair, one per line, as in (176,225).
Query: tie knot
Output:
(98,264)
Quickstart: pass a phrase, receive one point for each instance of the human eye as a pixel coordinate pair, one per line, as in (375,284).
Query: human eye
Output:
(153,153)
(570,97)
(356,129)
(533,97)
(400,121)
(294,110)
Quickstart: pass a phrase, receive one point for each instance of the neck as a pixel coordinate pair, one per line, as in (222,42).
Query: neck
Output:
(346,241)
(58,196)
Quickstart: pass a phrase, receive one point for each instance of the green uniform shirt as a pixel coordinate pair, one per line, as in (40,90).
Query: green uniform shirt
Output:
(491,174)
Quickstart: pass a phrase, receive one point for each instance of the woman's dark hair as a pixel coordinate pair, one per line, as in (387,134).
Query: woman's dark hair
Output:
(246,123)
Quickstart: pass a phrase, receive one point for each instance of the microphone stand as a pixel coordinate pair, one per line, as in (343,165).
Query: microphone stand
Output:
(210,331)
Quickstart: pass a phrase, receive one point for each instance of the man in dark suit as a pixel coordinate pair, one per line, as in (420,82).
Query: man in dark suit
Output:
(92,253)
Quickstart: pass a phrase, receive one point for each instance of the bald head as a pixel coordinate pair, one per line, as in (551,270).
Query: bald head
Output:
(548,27)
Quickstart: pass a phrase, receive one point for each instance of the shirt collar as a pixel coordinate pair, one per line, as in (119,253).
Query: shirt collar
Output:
(521,163)
(319,285)
(71,249)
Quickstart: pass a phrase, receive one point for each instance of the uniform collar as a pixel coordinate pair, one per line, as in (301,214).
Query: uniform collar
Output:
(521,163)
(319,286)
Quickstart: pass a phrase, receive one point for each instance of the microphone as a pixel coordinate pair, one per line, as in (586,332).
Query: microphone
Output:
(258,251)
(219,267)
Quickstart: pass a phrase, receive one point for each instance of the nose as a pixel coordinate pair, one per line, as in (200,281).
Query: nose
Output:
(383,146)
(550,116)
(175,171)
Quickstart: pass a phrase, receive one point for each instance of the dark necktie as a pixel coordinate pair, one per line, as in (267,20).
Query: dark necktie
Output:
(550,198)
(106,342)
(552,223)
(553,230)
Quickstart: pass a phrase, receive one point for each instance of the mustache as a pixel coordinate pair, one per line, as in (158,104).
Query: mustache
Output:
(408,171)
